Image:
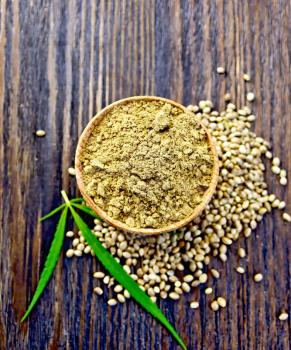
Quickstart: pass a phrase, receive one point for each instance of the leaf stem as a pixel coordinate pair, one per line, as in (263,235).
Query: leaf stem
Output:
(66,199)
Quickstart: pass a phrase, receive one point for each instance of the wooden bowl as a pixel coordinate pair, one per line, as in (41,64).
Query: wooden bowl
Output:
(120,225)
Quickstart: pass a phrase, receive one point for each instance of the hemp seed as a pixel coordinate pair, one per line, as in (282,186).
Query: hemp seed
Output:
(220,70)
(72,171)
(208,290)
(215,273)
(99,274)
(70,253)
(98,290)
(40,133)
(241,253)
(250,96)
(286,217)
(258,277)
(283,316)
(70,234)
(112,302)
(246,77)
(194,305)
(240,270)
(214,305)
(221,302)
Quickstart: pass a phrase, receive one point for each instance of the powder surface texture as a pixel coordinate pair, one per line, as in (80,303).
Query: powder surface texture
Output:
(147,164)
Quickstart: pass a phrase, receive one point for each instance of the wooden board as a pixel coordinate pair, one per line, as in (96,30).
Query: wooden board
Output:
(61,62)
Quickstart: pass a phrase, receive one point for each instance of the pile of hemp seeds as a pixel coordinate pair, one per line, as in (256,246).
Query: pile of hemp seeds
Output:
(171,264)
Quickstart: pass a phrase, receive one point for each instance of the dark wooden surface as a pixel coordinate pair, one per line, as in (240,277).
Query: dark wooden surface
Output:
(60,62)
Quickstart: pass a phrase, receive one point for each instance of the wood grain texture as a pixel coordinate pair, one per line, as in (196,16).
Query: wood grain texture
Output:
(60,63)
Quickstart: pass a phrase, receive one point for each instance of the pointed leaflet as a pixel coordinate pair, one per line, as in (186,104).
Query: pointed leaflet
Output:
(57,209)
(86,210)
(117,271)
(77,200)
(50,262)
(53,212)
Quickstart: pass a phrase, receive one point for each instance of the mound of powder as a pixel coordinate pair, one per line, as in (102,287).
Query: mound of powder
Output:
(147,164)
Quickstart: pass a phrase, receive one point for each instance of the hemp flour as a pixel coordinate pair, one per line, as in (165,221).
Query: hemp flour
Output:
(147,164)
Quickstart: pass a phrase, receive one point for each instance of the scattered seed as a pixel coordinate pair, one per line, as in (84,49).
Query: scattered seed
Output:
(199,257)
(87,249)
(283,181)
(188,278)
(123,245)
(72,171)
(220,70)
(177,284)
(276,161)
(240,270)
(40,133)
(111,282)
(106,279)
(203,278)
(126,294)
(80,247)
(195,283)
(223,257)
(226,240)
(269,155)
(283,173)
(241,253)
(208,290)
(118,288)
(215,273)
(75,242)
(250,96)
(78,253)
(194,305)
(99,274)
(246,77)
(202,104)
(174,296)
(221,302)
(275,169)
(70,253)
(247,232)
(258,277)
(286,217)
(112,302)
(163,294)
(186,288)
(214,305)
(227,97)
(126,269)
(121,298)
(283,316)
(98,290)
(70,234)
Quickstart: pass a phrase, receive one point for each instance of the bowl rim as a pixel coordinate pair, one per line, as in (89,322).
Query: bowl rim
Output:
(116,223)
